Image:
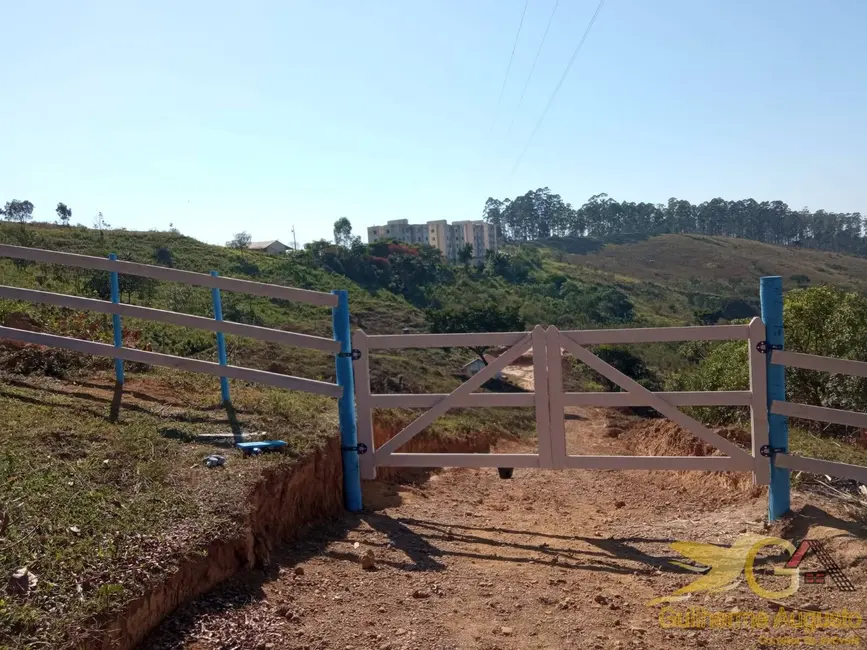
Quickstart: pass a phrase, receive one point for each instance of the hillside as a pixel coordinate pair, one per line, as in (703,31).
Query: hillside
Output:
(113,482)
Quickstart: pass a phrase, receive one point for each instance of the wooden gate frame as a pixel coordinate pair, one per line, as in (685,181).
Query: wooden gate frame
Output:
(664,403)
(388,456)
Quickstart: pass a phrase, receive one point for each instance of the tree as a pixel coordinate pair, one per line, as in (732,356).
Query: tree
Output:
(343,232)
(489,316)
(465,255)
(64,213)
(20,211)
(99,222)
(240,240)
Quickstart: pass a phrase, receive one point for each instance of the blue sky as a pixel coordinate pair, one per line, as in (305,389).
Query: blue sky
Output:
(225,116)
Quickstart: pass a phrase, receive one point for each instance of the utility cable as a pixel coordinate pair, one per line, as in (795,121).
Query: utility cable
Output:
(559,84)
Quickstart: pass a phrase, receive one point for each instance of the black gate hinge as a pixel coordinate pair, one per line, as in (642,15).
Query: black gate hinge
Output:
(360,448)
(355,355)
(767,451)
(764,346)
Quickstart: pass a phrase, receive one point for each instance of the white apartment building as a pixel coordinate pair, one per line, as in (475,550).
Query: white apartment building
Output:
(449,238)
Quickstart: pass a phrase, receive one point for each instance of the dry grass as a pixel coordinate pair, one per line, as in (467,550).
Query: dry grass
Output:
(100,508)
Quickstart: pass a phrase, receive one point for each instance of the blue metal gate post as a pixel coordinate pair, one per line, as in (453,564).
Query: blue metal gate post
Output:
(771,293)
(346,404)
(221,341)
(115,321)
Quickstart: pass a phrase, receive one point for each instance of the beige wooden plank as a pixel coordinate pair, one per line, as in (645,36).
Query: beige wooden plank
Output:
(391,341)
(737,455)
(817,466)
(822,364)
(364,406)
(170,275)
(458,460)
(426,400)
(820,413)
(467,387)
(759,406)
(173,318)
(192,365)
(556,398)
(543,408)
(685,398)
(658,334)
(677,463)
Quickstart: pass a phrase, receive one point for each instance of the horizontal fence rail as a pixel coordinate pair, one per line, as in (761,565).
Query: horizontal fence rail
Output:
(820,413)
(156,359)
(172,318)
(262,289)
(827,467)
(392,341)
(822,364)
(686,398)
(659,334)
(426,400)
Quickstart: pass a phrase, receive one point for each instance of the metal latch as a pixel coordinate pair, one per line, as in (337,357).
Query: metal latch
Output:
(360,448)
(767,451)
(355,355)
(764,346)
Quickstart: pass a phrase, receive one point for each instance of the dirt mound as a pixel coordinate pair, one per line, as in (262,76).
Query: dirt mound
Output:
(665,438)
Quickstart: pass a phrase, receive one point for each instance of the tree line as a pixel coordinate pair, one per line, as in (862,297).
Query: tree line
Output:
(540,214)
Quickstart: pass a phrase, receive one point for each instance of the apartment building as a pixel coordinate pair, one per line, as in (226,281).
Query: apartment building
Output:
(449,238)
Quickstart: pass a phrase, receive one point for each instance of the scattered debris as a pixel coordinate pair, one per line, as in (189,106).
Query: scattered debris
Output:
(21,582)
(368,561)
(75,530)
(215,460)
(420,593)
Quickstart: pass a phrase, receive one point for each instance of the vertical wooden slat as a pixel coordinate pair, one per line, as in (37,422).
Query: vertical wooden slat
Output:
(363,406)
(556,398)
(759,405)
(540,388)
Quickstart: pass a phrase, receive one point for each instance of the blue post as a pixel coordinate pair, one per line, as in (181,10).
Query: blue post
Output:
(778,434)
(221,341)
(115,321)
(346,404)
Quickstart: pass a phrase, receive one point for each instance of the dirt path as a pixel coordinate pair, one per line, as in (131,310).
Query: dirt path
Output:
(549,559)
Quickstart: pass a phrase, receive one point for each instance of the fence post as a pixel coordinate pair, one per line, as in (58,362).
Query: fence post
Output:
(771,294)
(346,404)
(115,321)
(221,340)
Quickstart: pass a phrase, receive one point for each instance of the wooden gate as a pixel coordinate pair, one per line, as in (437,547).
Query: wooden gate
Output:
(666,404)
(551,401)
(388,455)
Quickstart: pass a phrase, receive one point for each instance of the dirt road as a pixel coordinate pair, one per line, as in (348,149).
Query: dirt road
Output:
(548,559)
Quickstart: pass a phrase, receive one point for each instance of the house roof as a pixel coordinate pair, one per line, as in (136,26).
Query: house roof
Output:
(254,245)
(488,358)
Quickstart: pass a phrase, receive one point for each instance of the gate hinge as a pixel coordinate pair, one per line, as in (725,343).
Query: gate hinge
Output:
(764,346)
(355,355)
(361,448)
(767,451)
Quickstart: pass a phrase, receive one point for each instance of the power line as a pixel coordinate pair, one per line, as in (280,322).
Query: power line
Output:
(509,67)
(559,83)
(533,67)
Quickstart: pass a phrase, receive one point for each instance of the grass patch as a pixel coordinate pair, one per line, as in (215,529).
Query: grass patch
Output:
(100,509)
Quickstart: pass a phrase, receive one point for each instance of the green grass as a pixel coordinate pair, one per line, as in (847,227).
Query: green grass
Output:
(805,443)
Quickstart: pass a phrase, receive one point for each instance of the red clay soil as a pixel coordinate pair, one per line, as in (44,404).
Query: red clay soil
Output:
(549,559)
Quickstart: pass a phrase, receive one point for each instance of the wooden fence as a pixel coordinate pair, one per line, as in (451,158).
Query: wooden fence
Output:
(171,318)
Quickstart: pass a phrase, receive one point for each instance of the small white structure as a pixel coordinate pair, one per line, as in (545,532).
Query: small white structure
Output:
(471,368)
(273,247)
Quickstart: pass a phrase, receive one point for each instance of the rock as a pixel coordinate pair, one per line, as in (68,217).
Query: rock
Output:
(619,504)
(599,598)
(368,562)
(298,571)
(420,593)
(21,582)
(75,530)
(506,631)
